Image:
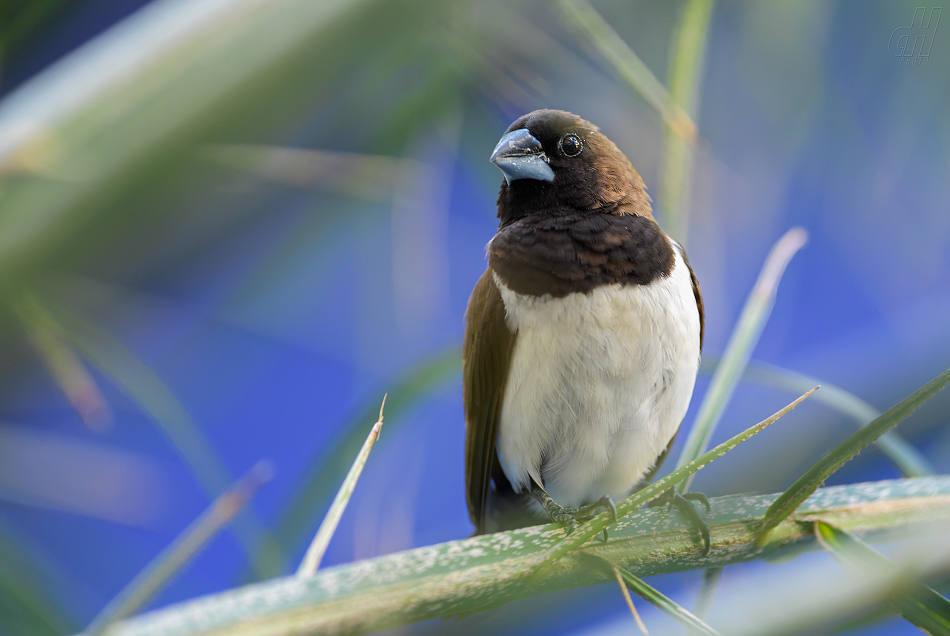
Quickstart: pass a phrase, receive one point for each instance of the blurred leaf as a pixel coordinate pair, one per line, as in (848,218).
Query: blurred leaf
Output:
(659,600)
(69,372)
(911,462)
(369,177)
(311,560)
(92,121)
(685,77)
(745,335)
(630,67)
(21,20)
(28,604)
(147,390)
(328,468)
(840,454)
(916,602)
(186,546)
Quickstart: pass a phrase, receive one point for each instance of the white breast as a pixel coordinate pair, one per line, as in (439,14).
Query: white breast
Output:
(598,385)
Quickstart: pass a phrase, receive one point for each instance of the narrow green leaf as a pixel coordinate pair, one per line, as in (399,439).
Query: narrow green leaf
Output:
(660,601)
(146,389)
(707,591)
(596,525)
(744,337)
(920,605)
(331,463)
(910,461)
(631,68)
(182,550)
(311,560)
(34,593)
(684,78)
(840,454)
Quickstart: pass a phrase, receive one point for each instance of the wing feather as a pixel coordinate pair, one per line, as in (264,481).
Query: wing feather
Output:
(486,355)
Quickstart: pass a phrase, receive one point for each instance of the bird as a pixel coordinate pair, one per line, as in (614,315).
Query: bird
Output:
(582,337)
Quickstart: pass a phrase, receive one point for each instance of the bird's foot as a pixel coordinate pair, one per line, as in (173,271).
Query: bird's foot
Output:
(572,516)
(684,503)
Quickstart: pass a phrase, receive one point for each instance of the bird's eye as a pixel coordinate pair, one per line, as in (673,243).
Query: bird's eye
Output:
(571,145)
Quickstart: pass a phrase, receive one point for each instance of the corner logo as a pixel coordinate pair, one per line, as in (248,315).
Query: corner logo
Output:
(912,44)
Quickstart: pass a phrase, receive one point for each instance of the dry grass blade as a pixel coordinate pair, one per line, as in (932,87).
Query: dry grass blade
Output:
(834,459)
(920,605)
(631,68)
(311,560)
(658,600)
(317,489)
(626,597)
(182,550)
(744,337)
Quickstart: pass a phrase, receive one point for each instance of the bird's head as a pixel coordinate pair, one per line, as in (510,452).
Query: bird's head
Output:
(554,163)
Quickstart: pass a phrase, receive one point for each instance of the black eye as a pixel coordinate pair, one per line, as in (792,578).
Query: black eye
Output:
(571,145)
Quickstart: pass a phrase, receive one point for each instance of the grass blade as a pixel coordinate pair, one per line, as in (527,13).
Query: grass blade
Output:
(66,368)
(744,337)
(181,551)
(36,596)
(920,605)
(596,525)
(707,591)
(686,62)
(626,597)
(631,68)
(311,560)
(658,600)
(840,454)
(148,391)
(910,461)
(329,467)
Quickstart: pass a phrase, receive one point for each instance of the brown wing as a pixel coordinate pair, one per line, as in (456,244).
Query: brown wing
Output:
(696,293)
(486,354)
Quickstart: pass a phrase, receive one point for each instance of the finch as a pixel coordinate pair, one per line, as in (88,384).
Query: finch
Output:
(582,338)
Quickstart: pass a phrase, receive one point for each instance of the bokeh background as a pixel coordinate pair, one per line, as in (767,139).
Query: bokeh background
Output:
(228,227)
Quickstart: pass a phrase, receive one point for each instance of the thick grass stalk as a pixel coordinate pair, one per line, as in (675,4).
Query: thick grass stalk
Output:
(473,575)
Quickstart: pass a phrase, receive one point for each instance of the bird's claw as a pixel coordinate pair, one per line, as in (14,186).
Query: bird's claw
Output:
(572,516)
(684,503)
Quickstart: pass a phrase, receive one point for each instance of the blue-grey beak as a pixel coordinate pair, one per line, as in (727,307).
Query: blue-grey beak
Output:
(519,156)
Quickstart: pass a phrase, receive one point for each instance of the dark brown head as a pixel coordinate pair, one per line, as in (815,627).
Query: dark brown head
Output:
(557,163)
